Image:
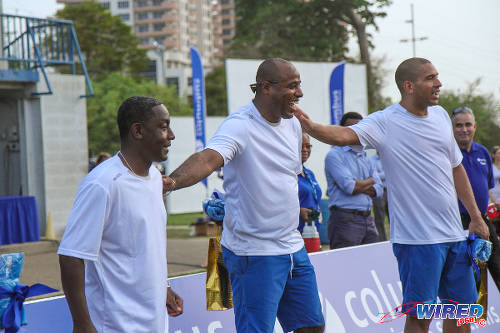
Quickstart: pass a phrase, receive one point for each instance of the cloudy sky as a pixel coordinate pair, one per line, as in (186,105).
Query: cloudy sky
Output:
(463,38)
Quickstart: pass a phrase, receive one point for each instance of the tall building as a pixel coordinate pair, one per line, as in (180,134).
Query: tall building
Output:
(223,25)
(167,28)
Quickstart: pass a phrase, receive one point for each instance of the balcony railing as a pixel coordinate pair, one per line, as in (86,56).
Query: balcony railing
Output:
(32,44)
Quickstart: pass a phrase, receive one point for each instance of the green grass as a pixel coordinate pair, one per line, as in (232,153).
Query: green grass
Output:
(183,219)
(181,233)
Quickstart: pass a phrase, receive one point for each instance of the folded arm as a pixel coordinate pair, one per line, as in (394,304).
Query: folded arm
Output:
(365,186)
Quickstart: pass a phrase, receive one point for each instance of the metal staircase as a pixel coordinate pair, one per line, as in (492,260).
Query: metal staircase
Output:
(29,45)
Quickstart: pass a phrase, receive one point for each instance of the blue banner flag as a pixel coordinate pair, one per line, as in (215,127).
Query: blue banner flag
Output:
(337,94)
(199,105)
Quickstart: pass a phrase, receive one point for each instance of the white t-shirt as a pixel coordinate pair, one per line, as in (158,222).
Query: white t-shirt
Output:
(418,155)
(118,224)
(261,164)
(496,190)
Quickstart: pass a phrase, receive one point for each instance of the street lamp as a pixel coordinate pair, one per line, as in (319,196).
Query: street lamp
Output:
(161,50)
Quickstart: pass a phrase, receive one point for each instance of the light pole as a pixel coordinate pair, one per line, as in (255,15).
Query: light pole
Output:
(161,79)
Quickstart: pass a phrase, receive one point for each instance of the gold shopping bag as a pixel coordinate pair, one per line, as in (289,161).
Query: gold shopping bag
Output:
(483,288)
(218,288)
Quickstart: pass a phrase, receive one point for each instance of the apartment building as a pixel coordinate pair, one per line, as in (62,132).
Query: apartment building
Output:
(224,25)
(167,28)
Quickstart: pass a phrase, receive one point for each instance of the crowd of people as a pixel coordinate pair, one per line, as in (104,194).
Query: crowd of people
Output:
(269,193)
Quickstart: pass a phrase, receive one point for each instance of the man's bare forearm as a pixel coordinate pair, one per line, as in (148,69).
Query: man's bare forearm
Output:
(363,185)
(334,135)
(73,282)
(197,167)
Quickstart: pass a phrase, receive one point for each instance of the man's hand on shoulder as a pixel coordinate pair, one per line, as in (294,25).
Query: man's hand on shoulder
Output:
(174,303)
(304,119)
(479,227)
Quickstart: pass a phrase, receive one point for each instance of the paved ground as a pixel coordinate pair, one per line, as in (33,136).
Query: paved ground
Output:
(184,256)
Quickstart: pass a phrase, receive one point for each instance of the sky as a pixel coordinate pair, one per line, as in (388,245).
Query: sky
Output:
(463,39)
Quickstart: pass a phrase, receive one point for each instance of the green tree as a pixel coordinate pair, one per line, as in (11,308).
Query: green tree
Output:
(110,92)
(289,29)
(486,111)
(107,43)
(215,90)
(315,30)
(378,80)
(359,14)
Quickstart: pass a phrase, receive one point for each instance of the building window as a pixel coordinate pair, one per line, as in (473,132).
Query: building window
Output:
(226,22)
(157,2)
(125,17)
(226,11)
(158,14)
(144,41)
(142,28)
(141,16)
(160,40)
(225,2)
(158,26)
(105,5)
(226,41)
(141,3)
(123,4)
(226,32)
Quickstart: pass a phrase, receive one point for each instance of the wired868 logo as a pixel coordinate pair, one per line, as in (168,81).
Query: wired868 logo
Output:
(463,313)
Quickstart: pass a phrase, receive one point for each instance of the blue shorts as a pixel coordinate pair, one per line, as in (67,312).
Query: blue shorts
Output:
(266,287)
(432,270)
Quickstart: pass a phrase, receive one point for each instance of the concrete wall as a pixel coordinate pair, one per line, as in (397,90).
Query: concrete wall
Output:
(64,144)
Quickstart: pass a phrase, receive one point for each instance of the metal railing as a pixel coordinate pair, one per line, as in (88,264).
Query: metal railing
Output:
(32,44)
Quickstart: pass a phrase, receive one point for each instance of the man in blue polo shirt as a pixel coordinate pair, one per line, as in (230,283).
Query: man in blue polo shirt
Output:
(477,164)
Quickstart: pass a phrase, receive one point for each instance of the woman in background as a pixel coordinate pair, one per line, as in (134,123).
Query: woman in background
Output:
(309,190)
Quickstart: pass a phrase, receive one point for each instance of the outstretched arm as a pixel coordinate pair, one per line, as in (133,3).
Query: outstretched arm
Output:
(466,196)
(197,167)
(331,134)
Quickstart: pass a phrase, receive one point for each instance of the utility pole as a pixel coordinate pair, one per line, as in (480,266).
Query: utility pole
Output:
(412,39)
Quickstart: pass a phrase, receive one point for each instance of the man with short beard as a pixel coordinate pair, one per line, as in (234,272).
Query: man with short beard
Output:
(260,148)
(477,164)
(424,174)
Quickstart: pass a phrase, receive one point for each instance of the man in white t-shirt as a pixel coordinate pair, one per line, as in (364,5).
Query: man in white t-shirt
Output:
(118,226)
(424,174)
(260,149)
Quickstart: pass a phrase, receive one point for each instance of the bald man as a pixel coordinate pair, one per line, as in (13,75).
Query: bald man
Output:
(260,149)
(424,174)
